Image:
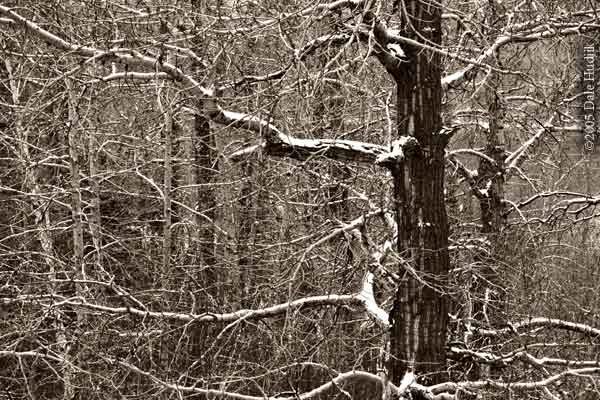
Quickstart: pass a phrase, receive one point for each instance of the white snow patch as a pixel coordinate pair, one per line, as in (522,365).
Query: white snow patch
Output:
(393,32)
(396,50)
(407,380)
(368,297)
(396,153)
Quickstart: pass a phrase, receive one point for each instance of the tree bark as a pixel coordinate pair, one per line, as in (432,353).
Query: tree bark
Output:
(420,314)
(76,166)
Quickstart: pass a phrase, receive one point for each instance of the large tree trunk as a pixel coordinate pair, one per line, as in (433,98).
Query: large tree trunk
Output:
(420,314)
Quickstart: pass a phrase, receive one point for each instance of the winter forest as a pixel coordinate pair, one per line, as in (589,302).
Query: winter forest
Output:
(294,200)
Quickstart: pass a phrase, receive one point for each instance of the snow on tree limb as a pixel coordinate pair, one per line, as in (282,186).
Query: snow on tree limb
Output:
(315,301)
(568,203)
(31,354)
(281,144)
(473,152)
(127,56)
(142,76)
(520,356)
(516,33)
(339,380)
(516,158)
(364,298)
(541,322)
(368,297)
(401,148)
(523,386)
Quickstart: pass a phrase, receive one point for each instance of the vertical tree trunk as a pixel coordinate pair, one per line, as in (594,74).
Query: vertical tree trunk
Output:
(205,283)
(94,218)
(487,291)
(491,188)
(79,272)
(207,279)
(420,314)
(248,213)
(204,144)
(491,178)
(167,182)
(205,161)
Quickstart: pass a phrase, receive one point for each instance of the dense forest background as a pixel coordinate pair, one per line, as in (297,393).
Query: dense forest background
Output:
(351,199)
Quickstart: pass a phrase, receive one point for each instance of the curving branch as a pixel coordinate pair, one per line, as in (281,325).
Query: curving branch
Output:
(519,356)
(278,143)
(364,297)
(299,55)
(529,31)
(126,56)
(368,297)
(515,160)
(307,302)
(333,383)
(474,153)
(541,322)
(522,386)
(31,354)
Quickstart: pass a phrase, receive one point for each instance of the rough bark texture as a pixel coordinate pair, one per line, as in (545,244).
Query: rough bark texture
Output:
(420,313)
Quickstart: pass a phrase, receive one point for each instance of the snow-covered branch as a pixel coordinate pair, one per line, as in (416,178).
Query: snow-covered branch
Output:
(278,143)
(540,322)
(367,295)
(516,158)
(520,356)
(473,152)
(512,34)
(140,76)
(523,386)
(575,196)
(335,382)
(401,148)
(125,56)
(307,302)
(364,297)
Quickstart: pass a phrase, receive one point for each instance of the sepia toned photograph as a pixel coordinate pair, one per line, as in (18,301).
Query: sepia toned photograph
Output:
(299,200)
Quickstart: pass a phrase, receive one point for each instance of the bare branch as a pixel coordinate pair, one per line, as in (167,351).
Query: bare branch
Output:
(523,386)
(126,56)
(282,144)
(541,322)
